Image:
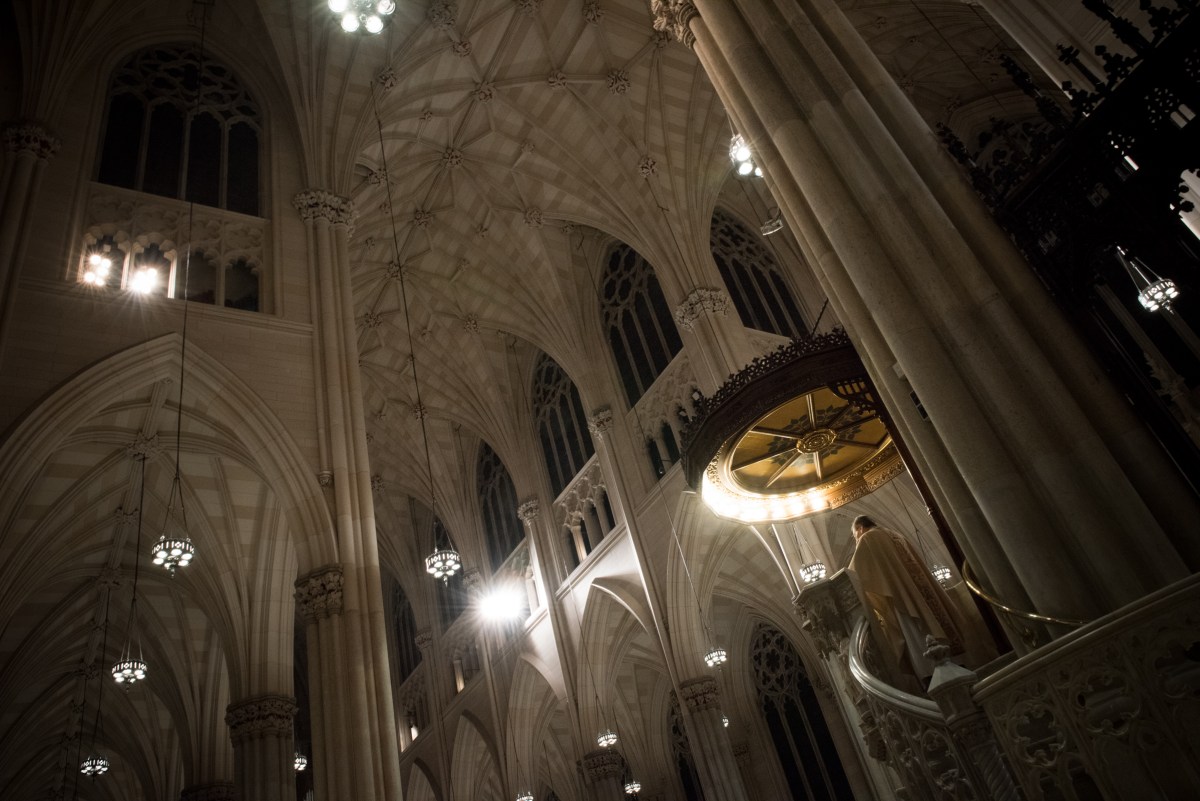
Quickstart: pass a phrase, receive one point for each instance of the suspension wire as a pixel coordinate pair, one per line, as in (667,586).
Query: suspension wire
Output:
(137,561)
(420,410)
(100,677)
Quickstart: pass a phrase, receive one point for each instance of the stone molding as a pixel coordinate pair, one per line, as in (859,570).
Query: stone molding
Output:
(319,593)
(423,640)
(597,766)
(28,139)
(260,716)
(675,18)
(700,302)
(216,791)
(529,510)
(700,694)
(318,204)
(600,421)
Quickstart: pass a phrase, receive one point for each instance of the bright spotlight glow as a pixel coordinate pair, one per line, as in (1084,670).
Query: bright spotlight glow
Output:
(350,22)
(745,168)
(503,603)
(385,7)
(338,6)
(374,24)
(144,281)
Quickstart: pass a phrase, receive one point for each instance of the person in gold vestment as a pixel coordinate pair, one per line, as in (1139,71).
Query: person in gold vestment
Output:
(904,602)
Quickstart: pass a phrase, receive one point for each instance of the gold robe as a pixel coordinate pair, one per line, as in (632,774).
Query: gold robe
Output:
(904,602)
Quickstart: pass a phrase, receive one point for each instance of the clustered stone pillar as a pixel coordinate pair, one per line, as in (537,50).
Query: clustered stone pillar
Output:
(603,771)
(28,148)
(356,674)
(261,731)
(1043,471)
(715,760)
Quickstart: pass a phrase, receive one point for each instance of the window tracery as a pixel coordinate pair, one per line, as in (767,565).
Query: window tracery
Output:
(561,423)
(641,330)
(757,285)
(498,506)
(793,715)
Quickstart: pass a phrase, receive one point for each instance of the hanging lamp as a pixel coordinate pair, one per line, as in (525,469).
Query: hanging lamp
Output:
(131,667)
(1154,291)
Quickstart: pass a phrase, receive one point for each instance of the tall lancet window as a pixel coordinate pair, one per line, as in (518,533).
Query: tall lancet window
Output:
(498,505)
(638,320)
(755,282)
(561,424)
(793,716)
(157,141)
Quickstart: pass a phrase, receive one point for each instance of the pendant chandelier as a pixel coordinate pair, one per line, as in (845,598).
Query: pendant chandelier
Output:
(300,762)
(95,765)
(606,738)
(367,16)
(445,560)
(131,668)
(716,657)
(633,787)
(743,159)
(942,574)
(174,548)
(524,795)
(1154,291)
(812,572)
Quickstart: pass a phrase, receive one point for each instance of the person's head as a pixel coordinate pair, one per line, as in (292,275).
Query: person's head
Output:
(861,525)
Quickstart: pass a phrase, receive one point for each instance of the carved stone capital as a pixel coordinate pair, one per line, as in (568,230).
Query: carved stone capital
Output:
(260,716)
(144,447)
(701,301)
(317,204)
(675,17)
(741,753)
(700,694)
(600,765)
(217,791)
(319,594)
(424,640)
(28,139)
(473,579)
(529,510)
(600,422)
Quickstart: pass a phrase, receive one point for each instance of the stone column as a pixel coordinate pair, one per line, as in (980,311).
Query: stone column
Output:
(368,712)
(715,760)
(319,600)
(603,772)
(707,318)
(261,731)
(28,148)
(1025,435)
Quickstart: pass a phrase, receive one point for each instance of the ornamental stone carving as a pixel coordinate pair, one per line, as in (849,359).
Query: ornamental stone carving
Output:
(377,483)
(462,48)
(592,12)
(471,324)
(319,594)
(701,301)
(528,6)
(533,218)
(675,17)
(110,577)
(422,218)
(618,82)
(441,14)
(600,422)
(600,765)
(317,204)
(484,92)
(700,694)
(423,640)
(325,477)
(452,157)
(217,791)
(647,167)
(31,140)
(261,716)
(557,79)
(386,79)
(143,447)
(529,510)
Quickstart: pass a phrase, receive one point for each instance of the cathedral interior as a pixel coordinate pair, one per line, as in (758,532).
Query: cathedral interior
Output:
(469,401)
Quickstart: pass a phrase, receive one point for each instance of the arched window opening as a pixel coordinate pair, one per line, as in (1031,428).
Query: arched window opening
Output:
(200,276)
(641,331)
(241,286)
(561,424)
(155,141)
(755,282)
(793,715)
(498,505)
(404,627)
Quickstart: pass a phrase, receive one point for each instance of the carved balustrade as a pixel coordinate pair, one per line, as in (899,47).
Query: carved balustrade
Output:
(662,413)
(582,513)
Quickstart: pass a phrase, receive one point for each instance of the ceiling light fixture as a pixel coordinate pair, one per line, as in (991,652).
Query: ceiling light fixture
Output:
(716,657)
(773,224)
(813,572)
(743,158)
(606,738)
(367,16)
(300,762)
(505,602)
(1154,291)
(633,787)
(445,561)
(942,574)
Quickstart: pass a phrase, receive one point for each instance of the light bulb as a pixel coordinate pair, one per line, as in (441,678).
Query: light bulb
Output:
(349,22)
(374,24)
(385,7)
(144,281)
(742,153)
(338,6)
(745,168)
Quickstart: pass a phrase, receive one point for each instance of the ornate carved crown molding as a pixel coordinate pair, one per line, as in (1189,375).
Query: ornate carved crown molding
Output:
(675,17)
(319,593)
(600,422)
(314,204)
(217,791)
(701,301)
(261,716)
(31,140)
(700,694)
(599,765)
